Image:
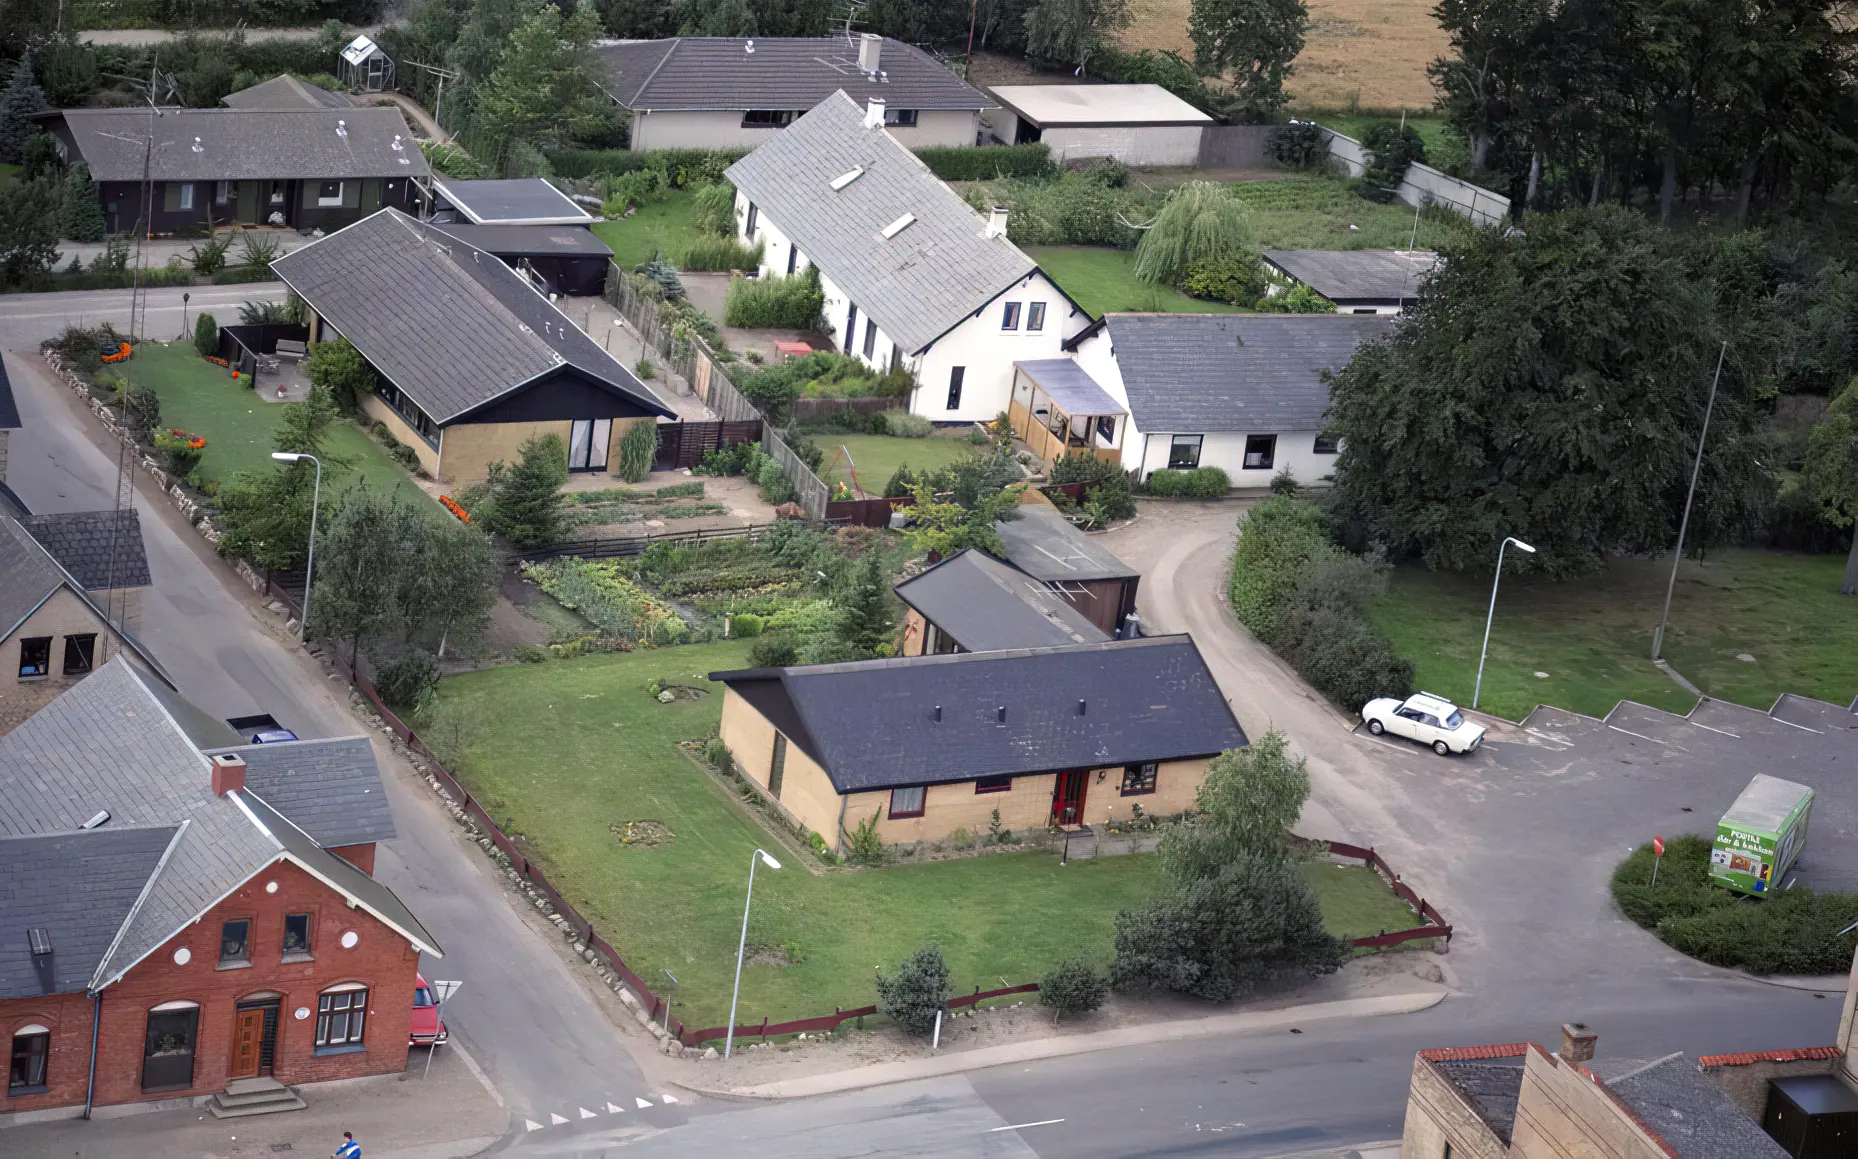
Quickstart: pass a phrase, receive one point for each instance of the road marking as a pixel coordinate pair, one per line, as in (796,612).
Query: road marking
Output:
(587,1114)
(1724,731)
(1019,1126)
(1801,727)
(642,1103)
(613,1110)
(555,1120)
(532,1125)
(1640,735)
(667,1098)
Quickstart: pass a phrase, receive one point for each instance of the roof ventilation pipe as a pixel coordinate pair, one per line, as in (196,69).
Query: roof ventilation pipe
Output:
(749,48)
(996,222)
(874,113)
(870,52)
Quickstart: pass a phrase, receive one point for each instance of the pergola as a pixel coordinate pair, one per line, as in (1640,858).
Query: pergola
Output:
(1059,410)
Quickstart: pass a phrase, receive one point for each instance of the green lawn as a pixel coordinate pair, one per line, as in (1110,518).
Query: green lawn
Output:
(1315,212)
(663,226)
(1356,901)
(201,398)
(1102,280)
(877,457)
(1593,636)
(565,750)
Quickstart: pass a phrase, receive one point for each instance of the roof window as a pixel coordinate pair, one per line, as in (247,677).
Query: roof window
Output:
(898,226)
(844,179)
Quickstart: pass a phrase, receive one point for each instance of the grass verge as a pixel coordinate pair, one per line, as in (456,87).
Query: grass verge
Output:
(665,226)
(1103,280)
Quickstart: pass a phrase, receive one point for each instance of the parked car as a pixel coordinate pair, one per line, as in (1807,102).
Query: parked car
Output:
(427,1029)
(1428,719)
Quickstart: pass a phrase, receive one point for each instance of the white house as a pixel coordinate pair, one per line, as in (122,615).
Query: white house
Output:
(1242,392)
(912,274)
(1136,124)
(1357,281)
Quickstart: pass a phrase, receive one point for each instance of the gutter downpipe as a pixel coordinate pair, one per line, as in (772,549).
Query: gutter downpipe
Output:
(96,1024)
(844,801)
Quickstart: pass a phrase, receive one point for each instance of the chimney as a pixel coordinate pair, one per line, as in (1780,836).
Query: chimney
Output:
(228,773)
(874,113)
(1577,1042)
(996,222)
(870,51)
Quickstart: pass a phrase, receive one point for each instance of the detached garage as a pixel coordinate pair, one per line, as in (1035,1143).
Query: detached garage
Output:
(1135,124)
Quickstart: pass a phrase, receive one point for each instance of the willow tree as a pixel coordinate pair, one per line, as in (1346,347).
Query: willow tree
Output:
(1200,222)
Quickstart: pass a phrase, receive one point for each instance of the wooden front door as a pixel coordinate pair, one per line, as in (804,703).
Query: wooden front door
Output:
(1068,797)
(247,1040)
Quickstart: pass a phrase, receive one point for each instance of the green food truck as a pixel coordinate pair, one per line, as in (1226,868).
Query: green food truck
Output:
(1761,836)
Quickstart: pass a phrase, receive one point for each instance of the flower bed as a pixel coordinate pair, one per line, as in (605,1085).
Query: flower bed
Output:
(599,590)
(121,355)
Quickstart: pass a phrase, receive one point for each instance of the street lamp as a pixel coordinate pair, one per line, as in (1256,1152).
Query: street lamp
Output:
(760,855)
(1507,540)
(309,568)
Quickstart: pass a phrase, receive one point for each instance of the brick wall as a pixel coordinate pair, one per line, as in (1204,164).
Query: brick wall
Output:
(1436,1114)
(1745,1077)
(67,1068)
(359,856)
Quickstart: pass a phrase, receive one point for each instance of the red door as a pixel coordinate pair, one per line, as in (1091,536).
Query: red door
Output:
(1068,797)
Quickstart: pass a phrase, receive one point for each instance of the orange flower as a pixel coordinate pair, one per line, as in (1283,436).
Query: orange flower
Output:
(452,506)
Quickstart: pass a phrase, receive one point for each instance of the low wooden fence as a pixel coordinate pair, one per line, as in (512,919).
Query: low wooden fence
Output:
(684,444)
(1436,926)
(865,512)
(766,1029)
(625,546)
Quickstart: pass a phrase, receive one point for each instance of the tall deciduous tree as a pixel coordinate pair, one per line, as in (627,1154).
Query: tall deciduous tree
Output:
(1200,222)
(1251,41)
(1831,472)
(1074,32)
(446,586)
(360,550)
(265,513)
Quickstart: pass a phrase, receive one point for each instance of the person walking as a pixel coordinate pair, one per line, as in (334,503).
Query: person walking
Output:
(349,1148)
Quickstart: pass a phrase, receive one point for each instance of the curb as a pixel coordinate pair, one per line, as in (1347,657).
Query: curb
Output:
(910,1070)
(1824,984)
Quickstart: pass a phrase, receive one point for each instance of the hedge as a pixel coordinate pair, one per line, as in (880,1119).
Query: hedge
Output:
(988,162)
(1199,483)
(681,167)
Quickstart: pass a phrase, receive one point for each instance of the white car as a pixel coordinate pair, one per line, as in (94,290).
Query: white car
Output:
(1428,719)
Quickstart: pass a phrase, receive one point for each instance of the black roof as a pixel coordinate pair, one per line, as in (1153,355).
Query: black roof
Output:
(1358,276)
(83,541)
(793,72)
(285,91)
(1492,1087)
(872,724)
(242,144)
(511,201)
(9,410)
(1047,546)
(530,241)
(988,606)
(78,886)
(331,788)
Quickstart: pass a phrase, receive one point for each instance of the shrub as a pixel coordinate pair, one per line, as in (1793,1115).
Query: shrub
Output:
(918,992)
(773,652)
(407,682)
(645,370)
(864,846)
(1199,483)
(716,753)
(206,335)
(637,448)
(988,162)
(1073,986)
(180,451)
(1392,147)
(1299,144)
(1278,541)
(1324,631)
(904,425)
(525,500)
(730,460)
(722,253)
(634,188)
(1284,483)
(715,209)
(141,410)
(661,275)
(1235,278)
(209,257)
(775,303)
(746,625)
(1297,299)
(531,654)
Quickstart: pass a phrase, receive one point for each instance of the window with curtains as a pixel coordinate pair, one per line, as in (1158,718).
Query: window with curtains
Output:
(340,1017)
(1035,316)
(32,1046)
(1009,316)
(906,802)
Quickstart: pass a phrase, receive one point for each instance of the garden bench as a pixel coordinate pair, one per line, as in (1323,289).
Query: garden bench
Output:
(290,348)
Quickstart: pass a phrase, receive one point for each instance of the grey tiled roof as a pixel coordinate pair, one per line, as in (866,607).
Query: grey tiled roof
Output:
(1145,700)
(331,788)
(9,410)
(511,201)
(987,606)
(1386,276)
(1197,373)
(246,144)
(1491,1085)
(78,887)
(28,576)
(1691,1113)
(530,241)
(917,284)
(1047,546)
(448,324)
(285,91)
(83,542)
(717,72)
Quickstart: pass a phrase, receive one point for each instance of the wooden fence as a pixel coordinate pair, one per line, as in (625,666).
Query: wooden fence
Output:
(684,444)
(624,546)
(765,1029)
(865,512)
(1436,926)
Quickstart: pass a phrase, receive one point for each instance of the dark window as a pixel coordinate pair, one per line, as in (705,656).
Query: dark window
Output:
(851,326)
(1327,444)
(28,1069)
(767,118)
(1259,451)
(329,193)
(339,1017)
(277,193)
(899,116)
(221,191)
(1009,316)
(296,933)
(993,784)
(777,767)
(35,656)
(954,386)
(233,937)
(80,653)
(754,219)
(793,259)
(1184,452)
(906,802)
(1138,779)
(1106,428)
(1035,316)
(168,1050)
(870,338)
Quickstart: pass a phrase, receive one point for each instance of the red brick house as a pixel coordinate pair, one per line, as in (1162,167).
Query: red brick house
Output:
(178,910)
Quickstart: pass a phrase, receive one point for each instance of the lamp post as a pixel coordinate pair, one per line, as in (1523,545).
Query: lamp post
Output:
(760,855)
(1507,540)
(309,567)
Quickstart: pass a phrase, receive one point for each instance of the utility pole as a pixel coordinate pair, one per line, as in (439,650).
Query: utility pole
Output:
(1696,468)
(967,65)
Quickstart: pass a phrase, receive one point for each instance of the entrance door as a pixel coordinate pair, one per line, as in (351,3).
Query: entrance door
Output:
(248,1031)
(1068,797)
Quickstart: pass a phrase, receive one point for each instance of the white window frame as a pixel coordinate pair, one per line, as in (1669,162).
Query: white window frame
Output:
(322,202)
(187,195)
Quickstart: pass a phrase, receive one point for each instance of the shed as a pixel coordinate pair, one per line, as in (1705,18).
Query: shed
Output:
(971,602)
(564,259)
(516,201)
(1357,281)
(364,67)
(1138,124)
(1044,544)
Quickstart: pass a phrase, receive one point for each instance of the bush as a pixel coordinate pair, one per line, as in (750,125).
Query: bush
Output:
(988,162)
(682,168)
(864,846)
(776,303)
(904,425)
(1073,987)
(407,682)
(746,625)
(1279,540)
(1324,631)
(1199,483)
(722,253)
(715,209)
(645,370)
(717,754)
(773,652)
(141,411)
(1235,279)
(180,452)
(918,992)
(1107,497)
(1392,146)
(1297,299)
(730,460)
(209,257)
(637,448)
(206,335)
(1299,145)
(634,188)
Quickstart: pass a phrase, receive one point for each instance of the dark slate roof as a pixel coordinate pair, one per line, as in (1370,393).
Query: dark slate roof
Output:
(98,874)
(1491,1085)
(717,72)
(871,723)
(246,144)
(511,201)
(1070,386)
(9,410)
(1047,546)
(530,241)
(286,92)
(1384,276)
(1196,373)
(28,576)
(448,324)
(331,788)
(1691,1113)
(917,284)
(988,606)
(83,542)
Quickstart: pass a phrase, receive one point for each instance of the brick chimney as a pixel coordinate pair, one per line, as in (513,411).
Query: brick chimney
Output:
(1577,1042)
(228,773)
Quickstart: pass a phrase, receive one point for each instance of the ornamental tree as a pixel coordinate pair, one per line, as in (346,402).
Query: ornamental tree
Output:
(1830,473)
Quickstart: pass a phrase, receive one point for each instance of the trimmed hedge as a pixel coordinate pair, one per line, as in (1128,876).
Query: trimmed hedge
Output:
(681,167)
(1199,483)
(988,162)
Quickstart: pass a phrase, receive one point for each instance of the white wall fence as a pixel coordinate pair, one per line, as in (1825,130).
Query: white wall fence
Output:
(1423,185)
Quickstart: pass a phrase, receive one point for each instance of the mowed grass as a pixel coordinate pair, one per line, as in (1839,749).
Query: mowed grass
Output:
(1102,280)
(1356,901)
(1315,212)
(877,457)
(663,227)
(201,398)
(1593,636)
(564,751)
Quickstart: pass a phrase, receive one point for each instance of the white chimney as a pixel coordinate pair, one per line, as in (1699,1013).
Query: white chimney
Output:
(874,113)
(870,51)
(996,222)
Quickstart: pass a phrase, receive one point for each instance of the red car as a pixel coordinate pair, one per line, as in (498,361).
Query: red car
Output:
(427,1029)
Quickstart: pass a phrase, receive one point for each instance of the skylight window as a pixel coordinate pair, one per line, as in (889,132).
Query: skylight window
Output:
(844,179)
(898,226)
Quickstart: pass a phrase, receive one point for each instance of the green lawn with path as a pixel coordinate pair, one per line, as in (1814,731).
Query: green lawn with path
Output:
(562,752)
(1102,280)
(1315,212)
(200,397)
(1593,636)
(877,457)
(664,226)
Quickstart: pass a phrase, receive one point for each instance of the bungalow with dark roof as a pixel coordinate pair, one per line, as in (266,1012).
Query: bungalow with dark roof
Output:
(472,359)
(921,746)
